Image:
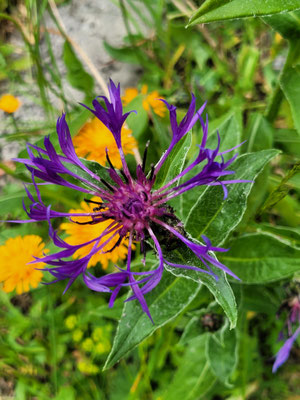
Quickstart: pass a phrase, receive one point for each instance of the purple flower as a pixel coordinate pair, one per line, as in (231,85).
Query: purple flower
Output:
(294,317)
(133,208)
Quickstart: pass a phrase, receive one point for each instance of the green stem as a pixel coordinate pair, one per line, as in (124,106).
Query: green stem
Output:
(11,172)
(274,105)
(52,341)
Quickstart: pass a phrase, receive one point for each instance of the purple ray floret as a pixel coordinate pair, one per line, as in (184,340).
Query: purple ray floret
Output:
(135,209)
(292,320)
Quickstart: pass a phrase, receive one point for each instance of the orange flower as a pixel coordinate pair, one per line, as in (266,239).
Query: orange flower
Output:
(15,254)
(94,138)
(9,103)
(149,99)
(83,233)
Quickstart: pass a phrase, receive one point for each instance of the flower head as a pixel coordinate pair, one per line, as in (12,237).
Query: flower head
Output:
(130,207)
(94,138)
(150,100)
(9,103)
(15,270)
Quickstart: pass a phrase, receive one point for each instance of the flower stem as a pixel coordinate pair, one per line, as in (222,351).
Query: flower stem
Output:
(274,105)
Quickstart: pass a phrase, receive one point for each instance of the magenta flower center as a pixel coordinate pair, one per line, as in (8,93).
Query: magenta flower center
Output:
(132,206)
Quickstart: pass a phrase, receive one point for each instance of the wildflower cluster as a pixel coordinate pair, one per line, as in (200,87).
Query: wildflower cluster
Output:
(126,209)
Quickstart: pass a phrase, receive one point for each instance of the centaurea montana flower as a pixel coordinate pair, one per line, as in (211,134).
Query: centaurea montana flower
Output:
(133,207)
(293,319)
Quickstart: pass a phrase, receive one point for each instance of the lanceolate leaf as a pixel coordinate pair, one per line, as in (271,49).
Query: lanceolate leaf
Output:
(76,74)
(220,289)
(220,10)
(166,301)
(289,83)
(261,258)
(288,24)
(216,218)
(221,352)
(194,376)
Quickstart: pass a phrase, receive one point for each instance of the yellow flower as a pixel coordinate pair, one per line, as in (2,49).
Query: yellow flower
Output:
(15,254)
(77,335)
(71,321)
(93,138)
(88,345)
(9,103)
(87,367)
(83,233)
(102,347)
(149,99)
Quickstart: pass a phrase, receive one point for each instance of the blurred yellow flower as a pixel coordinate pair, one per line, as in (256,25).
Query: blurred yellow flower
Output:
(77,335)
(15,254)
(71,321)
(97,334)
(93,138)
(9,103)
(149,99)
(102,347)
(87,367)
(88,345)
(83,233)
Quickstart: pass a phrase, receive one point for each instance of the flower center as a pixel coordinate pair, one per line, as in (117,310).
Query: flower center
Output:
(132,206)
(135,206)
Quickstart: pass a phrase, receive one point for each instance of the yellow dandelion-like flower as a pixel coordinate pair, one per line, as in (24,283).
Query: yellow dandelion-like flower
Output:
(9,103)
(150,100)
(93,138)
(83,233)
(15,254)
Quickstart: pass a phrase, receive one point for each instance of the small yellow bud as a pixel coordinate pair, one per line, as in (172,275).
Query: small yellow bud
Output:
(98,334)
(88,345)
(77,335)
(71,321)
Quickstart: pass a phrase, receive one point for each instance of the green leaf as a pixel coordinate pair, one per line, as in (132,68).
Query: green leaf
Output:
(11,202)
(216,218)
(220,10)
(76,74)
(138,121)
(259,298)
(285,233)
(259,133)
(289,140)
(124,54)
(219,288)
(192,330)
(288,25)
(290,86)
(165,302)
(221,352)
(194,377)
(261,258)
(175,162)
(247,64)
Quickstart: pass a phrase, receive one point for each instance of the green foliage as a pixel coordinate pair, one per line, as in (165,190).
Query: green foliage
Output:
(221,217)
(261,258)
(210,339)
(290,85)
(220,10)
(165,302)
(76,75)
